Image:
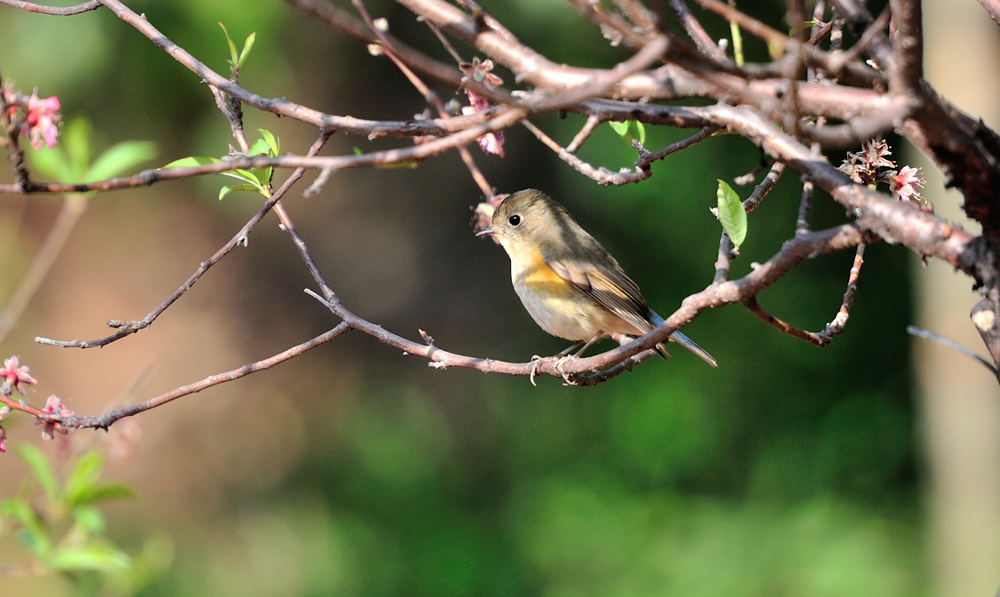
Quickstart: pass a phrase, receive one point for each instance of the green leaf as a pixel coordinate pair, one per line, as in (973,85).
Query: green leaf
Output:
(637,130)
(192,162)
(33,536)
(90,518)
(95,555)
(732,214)
(83,476)
(67,162)
(121,158)
(271,141)
(40,468)
(260,147)
(147,566)
(108,491)
(53,163)
(76,138)
(240,187)
(630,129)
(802,27)
(233,59)
(247,46)
(263,147)
(247,176)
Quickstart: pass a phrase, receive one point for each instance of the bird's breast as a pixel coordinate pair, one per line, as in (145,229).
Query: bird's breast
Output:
(557,306)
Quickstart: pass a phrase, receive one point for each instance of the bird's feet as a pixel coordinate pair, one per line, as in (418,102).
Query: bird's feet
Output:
(560,362)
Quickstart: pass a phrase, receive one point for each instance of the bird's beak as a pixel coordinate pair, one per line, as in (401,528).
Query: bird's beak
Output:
(487,232)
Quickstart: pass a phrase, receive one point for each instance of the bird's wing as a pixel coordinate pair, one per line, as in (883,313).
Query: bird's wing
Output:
(608,285)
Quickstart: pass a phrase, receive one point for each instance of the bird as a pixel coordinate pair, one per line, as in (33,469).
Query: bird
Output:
(569,284)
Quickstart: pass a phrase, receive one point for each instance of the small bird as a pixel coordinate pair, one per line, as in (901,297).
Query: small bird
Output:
(572,287)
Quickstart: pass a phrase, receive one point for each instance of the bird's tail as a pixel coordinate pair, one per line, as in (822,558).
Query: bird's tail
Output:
(684,341)
(689,344)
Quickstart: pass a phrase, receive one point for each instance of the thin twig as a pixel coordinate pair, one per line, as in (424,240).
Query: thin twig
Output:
(581,137)
(131,327)
(73,207)
(641,16)
(876,28)
(496,119)
(58,11)
(15,155)
(104,421)
(805,207)
(696,32)
(604,176)
(429,96)
(832,329)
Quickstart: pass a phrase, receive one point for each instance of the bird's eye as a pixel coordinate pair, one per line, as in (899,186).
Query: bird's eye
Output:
(515,220)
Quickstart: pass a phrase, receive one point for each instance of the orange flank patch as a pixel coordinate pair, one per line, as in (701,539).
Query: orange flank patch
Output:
(543,279)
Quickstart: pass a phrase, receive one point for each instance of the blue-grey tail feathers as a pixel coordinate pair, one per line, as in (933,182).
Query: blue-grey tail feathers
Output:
(689,344)
(684,341)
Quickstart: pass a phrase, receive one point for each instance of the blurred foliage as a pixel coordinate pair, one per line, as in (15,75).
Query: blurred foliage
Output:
(60,529)
(789,471)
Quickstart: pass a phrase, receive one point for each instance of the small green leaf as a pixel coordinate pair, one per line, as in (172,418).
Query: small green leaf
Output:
(637,130)
(630,129)
(53,163)
(268,137)
(98,493)
(247,46)
(95,555)
(260,147)
(240,187)
(40,468)
(90,518)
(802,27)
(262,176)
(246,176)
(233,59)
(192,162)
(121,158)
(33,535)
(76,138)
(82,477)
(620,127)
(732,214)
(67,162)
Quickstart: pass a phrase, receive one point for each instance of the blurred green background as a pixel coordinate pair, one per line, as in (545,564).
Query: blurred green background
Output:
(356,470)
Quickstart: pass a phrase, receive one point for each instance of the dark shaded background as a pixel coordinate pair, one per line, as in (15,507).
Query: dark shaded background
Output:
(355,470)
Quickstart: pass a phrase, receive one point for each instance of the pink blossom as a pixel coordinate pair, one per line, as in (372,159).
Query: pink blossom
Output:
(53,406)
(490,142)
(904,184)
(480,73)
(3,438)
(15,374)
(42,119)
